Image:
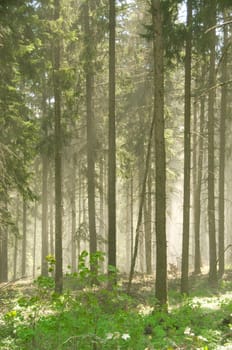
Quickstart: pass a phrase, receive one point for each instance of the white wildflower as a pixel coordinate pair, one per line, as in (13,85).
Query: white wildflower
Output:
(125,336)
(187,331)
(109,336)
(200,337)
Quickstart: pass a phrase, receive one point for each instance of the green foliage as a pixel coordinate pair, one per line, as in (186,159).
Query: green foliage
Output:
(98,318)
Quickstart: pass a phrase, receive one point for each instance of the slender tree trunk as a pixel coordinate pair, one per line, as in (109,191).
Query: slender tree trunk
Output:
(141,205)
(101,195)
(197,194)
(51,216)
(34,238)
(16,240)
(44,247)
(24,240)
(4,253)
(221,228)
(132,214)
(44,241)
(211,168)
(141,167)
(160,156)
(80,208)
(127,225)
(147,226)
(91,148)
(112,141)
(58,159)
(74,216)
(187,154)
(195,141)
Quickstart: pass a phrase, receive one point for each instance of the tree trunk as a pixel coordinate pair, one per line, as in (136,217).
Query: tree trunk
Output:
(102,203)
(211,168)
(160,156)
(187,154)
(58,158)
(197,194)
(44,247)
(34,238)
(74,216)
(141,205)
(24,240)
(141,167)
(4,254)
(132,214)
(224,90)
(44,241)
(112,142)
(16,240)
(147,226)
(51,216)
(91,144)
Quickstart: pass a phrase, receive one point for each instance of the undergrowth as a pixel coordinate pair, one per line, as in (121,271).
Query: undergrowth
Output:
(90,316)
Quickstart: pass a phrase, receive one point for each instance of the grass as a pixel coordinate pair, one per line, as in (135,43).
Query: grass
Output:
(94,318)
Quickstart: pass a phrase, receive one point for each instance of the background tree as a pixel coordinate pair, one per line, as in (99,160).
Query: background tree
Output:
(223,116)
(58,156)
(187,152)
(211,164)
(112,141)
(160,157)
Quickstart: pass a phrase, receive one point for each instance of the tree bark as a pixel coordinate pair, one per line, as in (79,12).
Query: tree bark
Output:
(141,205)
(44,247)
(211,167)
(91,144)
(24,240)
(58,158)
(197,194)
(34,239)
(147,225)
(224,94)
(187,154)
(112,141)
(160,156)
(74,216)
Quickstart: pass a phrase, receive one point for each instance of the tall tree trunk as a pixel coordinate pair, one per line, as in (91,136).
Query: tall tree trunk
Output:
(80,208)
(24,239)
(187,154)
(211,168)
(34,238)
(58,158)
(5,256)
(74,216)
(102,202)
(141,205)
(112,141)
(141,167)
(160,156)
(44,246)
(4,251)
(44,241)
(132,214)
(91,148)
(147,226)
(51,216)
(127,224)
(197,194)
(16,240)
(221,228)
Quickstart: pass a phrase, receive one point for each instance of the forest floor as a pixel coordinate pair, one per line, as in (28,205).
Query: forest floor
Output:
(32,316)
